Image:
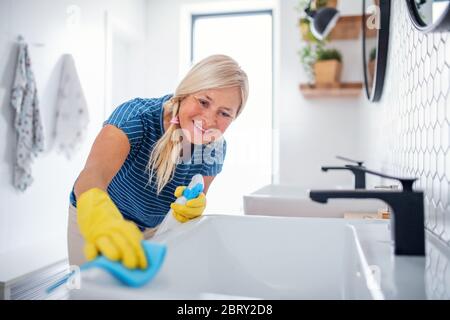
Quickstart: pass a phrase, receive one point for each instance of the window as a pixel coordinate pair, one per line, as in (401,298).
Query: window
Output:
(247,38)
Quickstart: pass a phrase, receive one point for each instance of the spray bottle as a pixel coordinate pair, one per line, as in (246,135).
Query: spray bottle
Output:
(192,191)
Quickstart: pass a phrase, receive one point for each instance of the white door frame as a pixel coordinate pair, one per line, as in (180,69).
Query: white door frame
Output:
(114,26)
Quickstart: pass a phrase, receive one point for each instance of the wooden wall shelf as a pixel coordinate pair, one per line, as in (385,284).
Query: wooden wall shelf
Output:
(348,28)
(343,90)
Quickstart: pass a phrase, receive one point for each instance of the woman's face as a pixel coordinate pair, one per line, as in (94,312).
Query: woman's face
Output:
(205,115)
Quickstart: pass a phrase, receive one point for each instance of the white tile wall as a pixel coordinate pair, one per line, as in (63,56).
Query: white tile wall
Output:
(415,115)
(409,131)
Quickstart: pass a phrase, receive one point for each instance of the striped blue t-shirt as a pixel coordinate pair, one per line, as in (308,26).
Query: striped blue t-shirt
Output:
(136,198)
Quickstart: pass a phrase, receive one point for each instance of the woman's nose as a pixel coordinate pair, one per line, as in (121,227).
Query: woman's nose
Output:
(208,120)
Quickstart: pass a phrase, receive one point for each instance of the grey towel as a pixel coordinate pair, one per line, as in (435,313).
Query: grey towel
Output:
(27,123)
(72,115)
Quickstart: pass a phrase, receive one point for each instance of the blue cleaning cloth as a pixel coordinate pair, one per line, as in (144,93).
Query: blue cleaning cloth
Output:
(192,193)
(155,254)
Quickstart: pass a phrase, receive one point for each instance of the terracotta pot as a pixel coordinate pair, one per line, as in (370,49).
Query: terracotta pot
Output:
(328,72)
(305,31)
(332,3)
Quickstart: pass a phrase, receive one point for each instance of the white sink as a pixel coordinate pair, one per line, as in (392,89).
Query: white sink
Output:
(294,201)
(240,257)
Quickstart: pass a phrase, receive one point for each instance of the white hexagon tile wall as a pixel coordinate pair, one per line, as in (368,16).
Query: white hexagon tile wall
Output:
(415,125)
(416,114)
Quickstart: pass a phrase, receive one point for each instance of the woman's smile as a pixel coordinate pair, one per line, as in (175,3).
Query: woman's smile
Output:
(206,114)
(198,126)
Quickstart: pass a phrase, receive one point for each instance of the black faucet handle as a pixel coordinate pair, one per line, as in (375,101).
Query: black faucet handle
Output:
(407,183)
(360,176)
(359,163)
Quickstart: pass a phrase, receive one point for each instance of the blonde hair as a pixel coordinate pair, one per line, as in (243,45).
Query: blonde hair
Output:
(213,72)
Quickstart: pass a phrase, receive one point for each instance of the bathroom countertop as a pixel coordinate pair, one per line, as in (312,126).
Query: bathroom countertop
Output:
(405,277)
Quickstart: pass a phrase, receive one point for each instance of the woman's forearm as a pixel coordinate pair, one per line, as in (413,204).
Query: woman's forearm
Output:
(89,178)
(108,153)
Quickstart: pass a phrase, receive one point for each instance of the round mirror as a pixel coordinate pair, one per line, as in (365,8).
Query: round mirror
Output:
(376,16)
(430,15)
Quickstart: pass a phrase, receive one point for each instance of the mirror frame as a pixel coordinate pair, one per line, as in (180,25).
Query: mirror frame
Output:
(442,24)
(382,51)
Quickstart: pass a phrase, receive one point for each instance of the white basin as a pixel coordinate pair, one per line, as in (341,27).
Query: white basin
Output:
(294,201)
(253,257)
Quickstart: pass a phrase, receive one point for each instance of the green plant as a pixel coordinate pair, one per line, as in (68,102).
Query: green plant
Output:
(308,57)
(328,54)
(313,49)
(303,4)
(304,22)
(373,54)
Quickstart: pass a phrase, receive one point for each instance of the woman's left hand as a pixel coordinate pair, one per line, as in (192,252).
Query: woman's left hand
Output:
(191,209)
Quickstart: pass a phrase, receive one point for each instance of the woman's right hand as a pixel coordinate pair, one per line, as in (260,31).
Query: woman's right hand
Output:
(107,232)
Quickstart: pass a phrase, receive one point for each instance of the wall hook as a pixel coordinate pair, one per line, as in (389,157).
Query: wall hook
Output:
(21,39)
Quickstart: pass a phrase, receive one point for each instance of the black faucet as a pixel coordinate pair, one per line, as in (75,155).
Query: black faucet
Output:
(407,218)
(360,176)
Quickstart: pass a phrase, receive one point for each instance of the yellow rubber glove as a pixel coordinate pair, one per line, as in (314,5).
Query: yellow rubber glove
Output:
(107,232)
(191,209)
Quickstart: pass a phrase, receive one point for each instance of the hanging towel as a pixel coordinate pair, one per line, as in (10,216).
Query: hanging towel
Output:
(27,123)
(72,115)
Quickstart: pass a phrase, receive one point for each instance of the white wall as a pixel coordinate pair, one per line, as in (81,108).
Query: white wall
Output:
(41,211)
(313,132)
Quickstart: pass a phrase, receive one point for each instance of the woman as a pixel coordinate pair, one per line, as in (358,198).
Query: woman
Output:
(142,160)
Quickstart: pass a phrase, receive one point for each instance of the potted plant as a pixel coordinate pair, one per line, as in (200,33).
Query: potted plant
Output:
(325,3)
(303,21)
(328,67)
(308,57)
(305,31)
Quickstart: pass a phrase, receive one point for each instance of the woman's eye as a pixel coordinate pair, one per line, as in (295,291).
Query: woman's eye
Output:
(224,114)
(203,103)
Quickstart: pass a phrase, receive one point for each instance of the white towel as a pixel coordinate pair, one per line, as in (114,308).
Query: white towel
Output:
(28,124)
(72,115)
